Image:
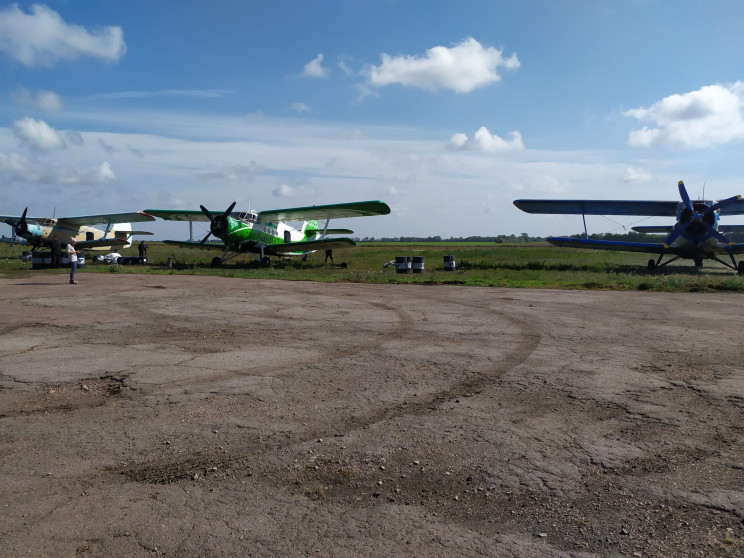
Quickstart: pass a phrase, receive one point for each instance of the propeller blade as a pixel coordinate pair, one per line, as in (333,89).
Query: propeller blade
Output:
(229,209)
(718,235)
(21,226)
(722,203)
(207,213)
(684,196)
(679,228)
(203,240)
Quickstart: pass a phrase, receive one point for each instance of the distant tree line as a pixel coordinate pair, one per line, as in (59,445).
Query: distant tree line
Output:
(630,236)
(500,239)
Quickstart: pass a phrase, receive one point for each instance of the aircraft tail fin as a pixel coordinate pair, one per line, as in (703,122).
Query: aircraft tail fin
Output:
(123,231)
(311,229)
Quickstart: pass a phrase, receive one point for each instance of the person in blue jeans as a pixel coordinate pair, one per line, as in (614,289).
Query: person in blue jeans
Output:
(72,258)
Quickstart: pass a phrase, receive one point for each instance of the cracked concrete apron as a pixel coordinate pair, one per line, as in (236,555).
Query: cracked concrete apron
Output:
(211,416)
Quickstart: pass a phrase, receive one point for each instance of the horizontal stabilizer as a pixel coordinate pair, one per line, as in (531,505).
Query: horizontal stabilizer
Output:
(86,244)
(196,244)
(329,231)
(650,229)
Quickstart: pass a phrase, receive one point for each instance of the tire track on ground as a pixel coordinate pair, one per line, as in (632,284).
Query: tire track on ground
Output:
(170,470)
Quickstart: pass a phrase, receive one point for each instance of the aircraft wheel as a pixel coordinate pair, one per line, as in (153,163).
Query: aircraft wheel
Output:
(698,262)
(216,262)
(651,266)
(265,261)
(740,268)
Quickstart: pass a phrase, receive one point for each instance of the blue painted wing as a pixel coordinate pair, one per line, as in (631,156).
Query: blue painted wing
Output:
(733,208)
(599,207)
(617,245)
(646,247)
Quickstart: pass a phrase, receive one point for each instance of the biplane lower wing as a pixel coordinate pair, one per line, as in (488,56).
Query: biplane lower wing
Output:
(617,245)
(307,246)
(271,249)
(646,247)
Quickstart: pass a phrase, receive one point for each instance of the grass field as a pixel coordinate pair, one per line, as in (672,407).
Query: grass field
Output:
(478,264)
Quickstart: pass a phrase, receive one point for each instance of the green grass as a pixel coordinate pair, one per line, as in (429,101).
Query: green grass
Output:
(477,264)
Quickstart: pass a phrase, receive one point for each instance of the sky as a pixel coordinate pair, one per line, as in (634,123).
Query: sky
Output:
(448,111)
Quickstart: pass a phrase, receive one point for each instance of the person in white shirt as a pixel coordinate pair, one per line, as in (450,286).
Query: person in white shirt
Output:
(72,258)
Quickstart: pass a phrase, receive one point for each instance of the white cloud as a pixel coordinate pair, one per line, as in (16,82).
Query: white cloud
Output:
(712,115)
(301,107)
(17,168)
(38,134)
(44,100)
(238,173)
(461,68)
(483,140)
(636,175)
(103,174)
(287,191)
(314,68)
(75,138)
(106,147)
(41,38)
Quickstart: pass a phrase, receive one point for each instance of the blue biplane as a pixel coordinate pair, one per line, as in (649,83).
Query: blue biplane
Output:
(696,235)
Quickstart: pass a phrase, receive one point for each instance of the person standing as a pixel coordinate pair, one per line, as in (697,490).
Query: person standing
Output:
(142,250)
(72,257)
(56,249)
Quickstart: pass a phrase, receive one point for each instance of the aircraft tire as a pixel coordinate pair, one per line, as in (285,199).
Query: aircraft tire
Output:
(740,268)
(265,261)
(216,262)
(651,266)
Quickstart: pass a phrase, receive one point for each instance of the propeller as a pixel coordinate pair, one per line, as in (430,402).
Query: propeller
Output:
(702,220)
(218,224)
(21,227)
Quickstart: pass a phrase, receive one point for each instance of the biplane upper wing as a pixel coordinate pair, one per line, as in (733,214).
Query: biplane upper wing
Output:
(107,219)
(333,211)
(599,207)
(178,214)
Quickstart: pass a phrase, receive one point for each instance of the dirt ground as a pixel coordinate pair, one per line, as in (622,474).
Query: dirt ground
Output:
(206,416)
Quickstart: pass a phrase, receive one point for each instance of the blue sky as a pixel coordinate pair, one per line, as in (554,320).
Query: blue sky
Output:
(447,111)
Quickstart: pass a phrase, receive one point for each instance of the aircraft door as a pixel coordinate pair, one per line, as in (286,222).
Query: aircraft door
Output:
(287,236)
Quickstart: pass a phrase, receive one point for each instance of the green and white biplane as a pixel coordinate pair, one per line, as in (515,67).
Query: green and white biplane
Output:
(266,233)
